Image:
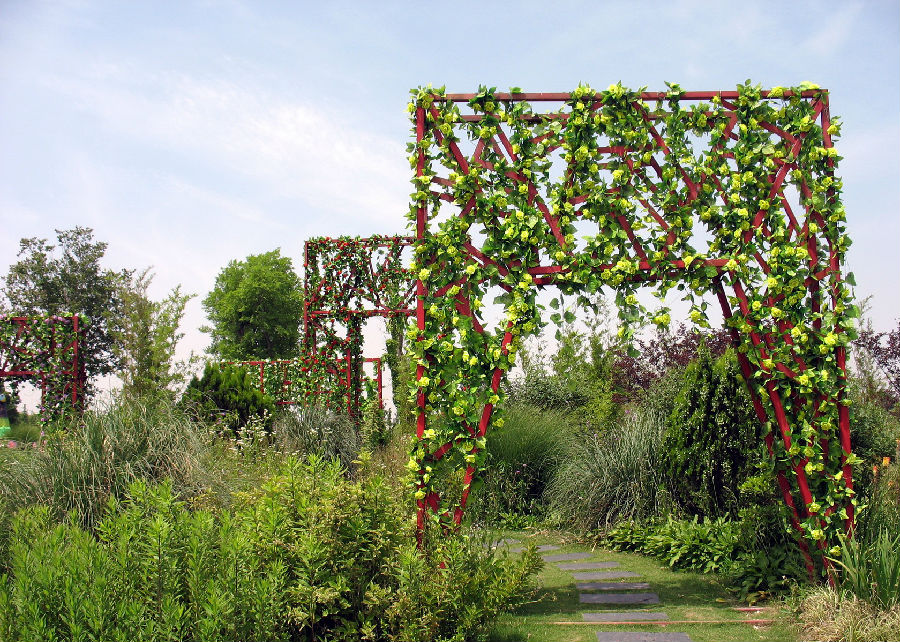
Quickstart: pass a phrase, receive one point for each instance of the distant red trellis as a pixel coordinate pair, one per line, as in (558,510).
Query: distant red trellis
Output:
(349,280)
(45,349)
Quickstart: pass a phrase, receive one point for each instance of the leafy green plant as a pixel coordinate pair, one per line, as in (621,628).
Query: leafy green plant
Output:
(308,555)
(97,456)
(712,438)
(702,545)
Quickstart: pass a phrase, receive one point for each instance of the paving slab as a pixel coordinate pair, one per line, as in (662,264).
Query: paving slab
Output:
(566,557)
(613,586)
(586,566)
(628,636)
(624,616)
(618,598)
(603,575)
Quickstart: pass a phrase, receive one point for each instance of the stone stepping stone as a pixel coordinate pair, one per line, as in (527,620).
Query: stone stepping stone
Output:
(542,548)
(627,636)
(566,557)
(603,575)
(586,566)
(624,616)
(618,598)
(613,586)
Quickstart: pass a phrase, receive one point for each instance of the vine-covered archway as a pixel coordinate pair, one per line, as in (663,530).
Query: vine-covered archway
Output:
(728,192)
(349,280)
(44,350)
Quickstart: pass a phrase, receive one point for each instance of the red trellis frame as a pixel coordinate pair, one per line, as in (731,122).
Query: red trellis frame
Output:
(26,353)
(349,280)
(549,274)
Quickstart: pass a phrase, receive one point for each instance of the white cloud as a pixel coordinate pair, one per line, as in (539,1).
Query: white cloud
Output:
(294,149)
(830,36)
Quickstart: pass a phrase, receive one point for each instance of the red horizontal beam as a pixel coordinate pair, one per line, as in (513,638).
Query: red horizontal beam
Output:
(646,95)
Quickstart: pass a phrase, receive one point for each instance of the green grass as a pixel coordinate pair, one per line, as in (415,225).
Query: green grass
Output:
(555,616)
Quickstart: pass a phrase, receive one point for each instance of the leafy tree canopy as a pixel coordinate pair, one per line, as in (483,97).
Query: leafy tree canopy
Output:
(255,309)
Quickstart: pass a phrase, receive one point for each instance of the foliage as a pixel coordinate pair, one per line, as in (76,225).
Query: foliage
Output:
(146,337)
(791,305)
(98,455)
(313,430)
(226,396)
(310,555)
(663,350)
(64,279)
(875,433)
(307,380)
(712,438)
(871,570)
(374,430)
(882,501)
(707,545)
(607,477)
(884,348)
(255,309)
(524,454)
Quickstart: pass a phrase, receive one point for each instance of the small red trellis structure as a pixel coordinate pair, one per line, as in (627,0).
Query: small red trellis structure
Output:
(44,349)
(348,280)
(706,191)
(309,380)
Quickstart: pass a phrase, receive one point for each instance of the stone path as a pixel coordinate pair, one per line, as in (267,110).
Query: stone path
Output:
(594,590)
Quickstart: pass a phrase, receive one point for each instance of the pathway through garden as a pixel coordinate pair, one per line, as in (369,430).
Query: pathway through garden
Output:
(608,596)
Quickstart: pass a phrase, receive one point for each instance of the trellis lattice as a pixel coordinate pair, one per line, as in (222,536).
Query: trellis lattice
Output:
(348,280)
(45,350)
(308,381)
(727,192)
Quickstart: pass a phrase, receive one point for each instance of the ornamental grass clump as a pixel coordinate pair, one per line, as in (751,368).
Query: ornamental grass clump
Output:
(95,457)
(605,478)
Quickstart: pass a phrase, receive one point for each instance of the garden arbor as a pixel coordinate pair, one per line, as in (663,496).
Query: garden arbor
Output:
(730,193)
(44,349)
(349,280)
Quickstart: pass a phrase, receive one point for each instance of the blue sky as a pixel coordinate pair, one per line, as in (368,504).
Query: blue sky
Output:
(191,133)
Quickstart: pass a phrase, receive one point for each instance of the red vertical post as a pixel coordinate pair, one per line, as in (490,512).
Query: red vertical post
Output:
(420,317)
(76,370)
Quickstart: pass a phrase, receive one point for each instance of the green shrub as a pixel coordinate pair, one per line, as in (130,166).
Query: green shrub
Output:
(227,397)
(874,433)
(882,506)
(310,555)
(713,438)
(604,478)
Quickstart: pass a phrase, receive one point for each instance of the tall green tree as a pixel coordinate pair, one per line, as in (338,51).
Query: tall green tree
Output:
(147,335)
(67,278)
(255,309)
